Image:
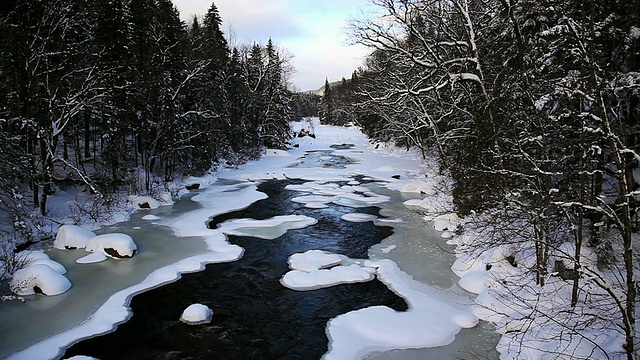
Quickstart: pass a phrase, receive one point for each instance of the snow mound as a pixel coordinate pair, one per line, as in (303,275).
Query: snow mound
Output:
(358,217)
(276,152)
(196,314)
(325,193)
(473,282)
(150,217)
(386,168)
(50,263)
(38,278)
(144,202)
(72,237)
(115,245)
(566,253)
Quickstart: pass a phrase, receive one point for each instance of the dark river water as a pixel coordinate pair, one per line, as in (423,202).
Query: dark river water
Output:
(255,317)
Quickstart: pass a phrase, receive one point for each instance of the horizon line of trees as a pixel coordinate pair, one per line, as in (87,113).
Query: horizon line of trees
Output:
(532,108)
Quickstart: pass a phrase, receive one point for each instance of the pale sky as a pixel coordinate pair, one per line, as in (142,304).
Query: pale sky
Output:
(314,31)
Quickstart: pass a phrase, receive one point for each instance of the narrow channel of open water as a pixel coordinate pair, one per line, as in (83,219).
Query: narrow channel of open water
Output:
(255,317)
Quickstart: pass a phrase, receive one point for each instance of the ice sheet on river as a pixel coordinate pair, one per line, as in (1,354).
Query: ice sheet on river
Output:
(429,322)
(268,229)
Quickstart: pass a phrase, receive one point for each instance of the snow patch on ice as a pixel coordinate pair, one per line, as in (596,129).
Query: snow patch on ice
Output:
(358,217)
(92,258)
(429,322)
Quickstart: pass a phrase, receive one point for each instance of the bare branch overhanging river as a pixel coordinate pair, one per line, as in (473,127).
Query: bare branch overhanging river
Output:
(417,249)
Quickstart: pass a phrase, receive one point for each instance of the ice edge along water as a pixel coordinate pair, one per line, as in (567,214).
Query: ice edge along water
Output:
(371,326)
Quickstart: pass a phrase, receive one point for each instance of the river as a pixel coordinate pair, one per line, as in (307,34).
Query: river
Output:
(254,315)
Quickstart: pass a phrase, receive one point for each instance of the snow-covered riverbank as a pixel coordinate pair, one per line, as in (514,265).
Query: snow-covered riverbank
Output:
(235,189)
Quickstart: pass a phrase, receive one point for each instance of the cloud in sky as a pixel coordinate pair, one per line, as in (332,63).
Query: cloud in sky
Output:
(312,30)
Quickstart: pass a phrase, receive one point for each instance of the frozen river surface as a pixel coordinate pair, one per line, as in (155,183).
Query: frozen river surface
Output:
(410,300)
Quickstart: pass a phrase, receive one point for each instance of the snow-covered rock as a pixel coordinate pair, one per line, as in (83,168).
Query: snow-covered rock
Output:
(419,187)
(38,278)
(446,222)
(144,202)
(72,237)
(50,263)
(115,245)
(92,258)
(150,217)
(196,314)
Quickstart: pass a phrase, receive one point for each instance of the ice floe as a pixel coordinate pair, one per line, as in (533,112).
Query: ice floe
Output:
(358,217)
(269,229)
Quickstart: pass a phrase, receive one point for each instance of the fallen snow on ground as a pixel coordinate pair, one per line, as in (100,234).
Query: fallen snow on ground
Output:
(115,245)
(40,274)
(430,321)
